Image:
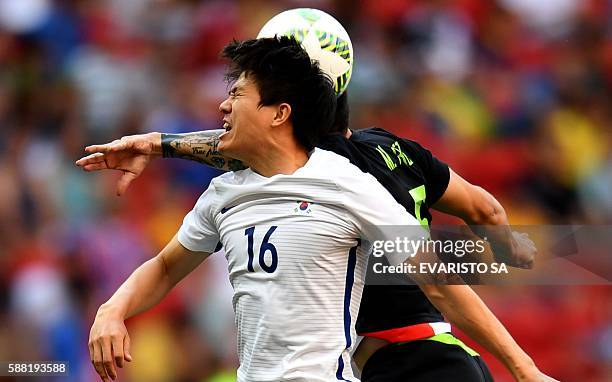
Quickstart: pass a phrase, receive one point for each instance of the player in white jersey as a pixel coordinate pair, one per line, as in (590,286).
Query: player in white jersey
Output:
(295,228)
(295,261)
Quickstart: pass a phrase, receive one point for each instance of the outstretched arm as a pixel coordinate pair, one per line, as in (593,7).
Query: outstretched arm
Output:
(487,218)
(201,146)
(109,342)
(132,154)
(463,308)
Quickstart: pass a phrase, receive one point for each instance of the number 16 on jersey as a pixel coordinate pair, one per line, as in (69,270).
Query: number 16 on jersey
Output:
(265,246)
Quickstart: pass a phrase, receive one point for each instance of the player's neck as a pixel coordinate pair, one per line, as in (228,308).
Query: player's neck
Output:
(279,158)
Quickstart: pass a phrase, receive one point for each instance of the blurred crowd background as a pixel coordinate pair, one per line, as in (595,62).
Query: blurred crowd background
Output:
(516,95)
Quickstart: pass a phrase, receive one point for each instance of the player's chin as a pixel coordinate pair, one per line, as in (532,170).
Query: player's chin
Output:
(224,142)
(227,146)
(221,146)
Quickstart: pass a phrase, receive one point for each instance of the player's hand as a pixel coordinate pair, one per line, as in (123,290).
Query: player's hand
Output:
(129,154)
(109,344)
(523,250)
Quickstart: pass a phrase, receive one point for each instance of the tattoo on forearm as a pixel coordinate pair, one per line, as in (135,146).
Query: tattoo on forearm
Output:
(200,147)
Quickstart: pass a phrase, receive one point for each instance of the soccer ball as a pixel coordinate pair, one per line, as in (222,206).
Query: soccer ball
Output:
(322,36)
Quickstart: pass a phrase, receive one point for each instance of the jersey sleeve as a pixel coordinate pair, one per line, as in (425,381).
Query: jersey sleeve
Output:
(198,232)
(376,213)
(437,173)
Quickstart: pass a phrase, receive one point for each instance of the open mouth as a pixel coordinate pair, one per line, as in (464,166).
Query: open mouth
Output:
(227,126)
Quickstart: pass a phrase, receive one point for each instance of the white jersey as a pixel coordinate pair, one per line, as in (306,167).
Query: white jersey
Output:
(296,247)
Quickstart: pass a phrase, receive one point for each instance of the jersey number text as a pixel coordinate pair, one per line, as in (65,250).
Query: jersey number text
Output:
(265,246)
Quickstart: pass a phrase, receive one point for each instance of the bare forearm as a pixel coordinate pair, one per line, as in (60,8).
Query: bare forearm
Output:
(200,146)
(481,211)
(464,309)
(491,222)
(145,287)
(154,279)
(488,210)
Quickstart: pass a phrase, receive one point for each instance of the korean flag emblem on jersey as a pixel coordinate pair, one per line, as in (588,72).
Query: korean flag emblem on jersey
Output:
(303,208)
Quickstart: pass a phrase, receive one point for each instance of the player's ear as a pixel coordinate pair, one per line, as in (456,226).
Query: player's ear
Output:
(282,114)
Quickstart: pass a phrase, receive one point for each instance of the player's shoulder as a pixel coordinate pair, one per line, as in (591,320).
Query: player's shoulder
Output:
(321,158)
(373,133)
(226,186)
(376,135)
(231,177)
(329,164)
(338,169)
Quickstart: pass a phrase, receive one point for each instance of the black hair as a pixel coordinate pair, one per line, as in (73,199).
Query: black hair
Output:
(283,72)
(341,120)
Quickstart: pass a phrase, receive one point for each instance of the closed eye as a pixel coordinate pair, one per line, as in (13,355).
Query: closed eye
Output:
(235,91)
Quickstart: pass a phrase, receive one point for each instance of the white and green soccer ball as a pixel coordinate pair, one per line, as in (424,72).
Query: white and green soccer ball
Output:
(322,36)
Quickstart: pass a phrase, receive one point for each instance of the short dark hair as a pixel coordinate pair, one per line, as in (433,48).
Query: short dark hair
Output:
(283,72)
(341,120)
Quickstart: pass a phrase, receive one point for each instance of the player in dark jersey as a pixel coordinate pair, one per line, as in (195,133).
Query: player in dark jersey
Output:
(408,326)
(405,336)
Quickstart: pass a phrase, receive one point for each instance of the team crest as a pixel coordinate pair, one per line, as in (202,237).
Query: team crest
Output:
(303,208)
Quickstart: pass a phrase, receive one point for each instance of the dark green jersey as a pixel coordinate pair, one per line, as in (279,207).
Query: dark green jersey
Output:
(416,179)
